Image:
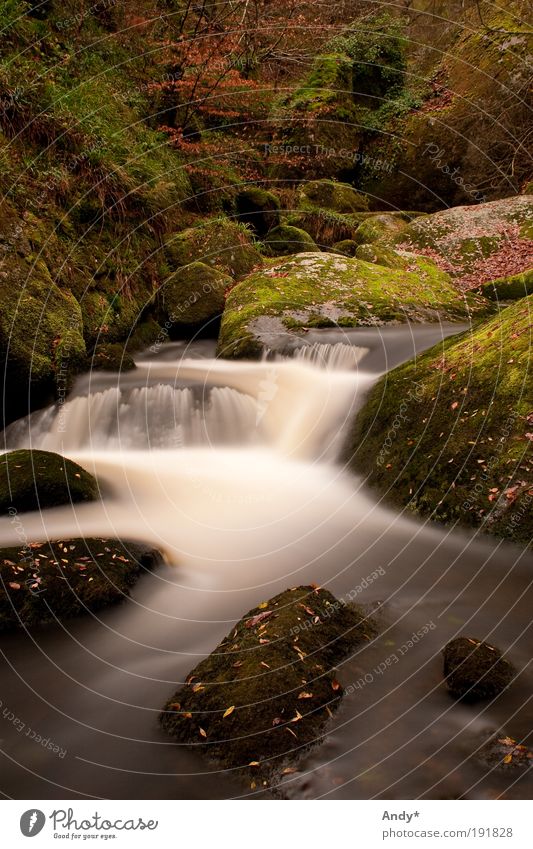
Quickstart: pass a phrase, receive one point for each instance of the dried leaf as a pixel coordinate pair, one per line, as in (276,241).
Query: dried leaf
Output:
(228,711)
(305,695)
(335,685)
(202,732)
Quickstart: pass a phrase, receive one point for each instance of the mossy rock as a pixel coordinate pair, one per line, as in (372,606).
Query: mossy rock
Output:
(475,670)
(384,228)
(194,294)
(326,289)
(223,244)
(258,208)
(326,228)
(43,582)
(380,254)
(285,240)
(495,225)
(449,434)
(267,692)
(510,288)
(112,356)
(35,480)
(346,247)
(328,194)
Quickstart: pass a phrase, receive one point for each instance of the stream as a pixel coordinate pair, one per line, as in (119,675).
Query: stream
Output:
(231,470)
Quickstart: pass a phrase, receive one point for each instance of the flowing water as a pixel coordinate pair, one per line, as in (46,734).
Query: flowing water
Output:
(232,471)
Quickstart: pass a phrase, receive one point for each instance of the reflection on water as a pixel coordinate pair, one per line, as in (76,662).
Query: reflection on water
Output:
(230,469)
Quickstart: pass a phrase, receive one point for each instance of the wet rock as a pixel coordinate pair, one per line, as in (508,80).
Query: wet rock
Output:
(268,690)
(43,582)
(475,670)
(503,753)
(112,356)
(35,480)
(258,208)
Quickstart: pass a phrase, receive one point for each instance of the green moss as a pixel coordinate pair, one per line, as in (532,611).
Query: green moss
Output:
(380,228)
(447,434)
(43,582)
(194,294)
(258,208)
(510,288)
(381,255)
(328,194)
(341,290)
(475,670)
(112,357)
(35,480)
(267,691)
(346,247)
(219,242)
(284,240)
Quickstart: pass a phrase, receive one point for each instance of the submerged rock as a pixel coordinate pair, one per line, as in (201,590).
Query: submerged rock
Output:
(504,753)
(43,582)
(269,689)
(475,670)
(450,433)
(35,480)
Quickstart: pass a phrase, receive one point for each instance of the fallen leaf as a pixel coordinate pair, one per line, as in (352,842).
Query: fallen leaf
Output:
(335,685)
(305,695)
(202,732)
(228,711)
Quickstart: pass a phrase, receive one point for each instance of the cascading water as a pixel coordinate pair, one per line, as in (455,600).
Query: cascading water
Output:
(231,469)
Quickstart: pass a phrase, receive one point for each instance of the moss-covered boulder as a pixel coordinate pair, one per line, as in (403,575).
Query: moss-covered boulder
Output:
(346,247)
(327,290)
(510,288)
(284,240)
(267,692)
(194,294)
(381,254)
(477,244)
(111,356)
(258,208)
(328,194)
(219,242)
(384,228)
(475,670)
(43,582)
(326,228)
(35,480)
(450,435)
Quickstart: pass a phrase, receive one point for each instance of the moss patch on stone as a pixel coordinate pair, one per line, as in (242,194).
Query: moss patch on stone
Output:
(318,289)
(42,582)
(258,208)
(35,480)
(328,194)
(449,435)
(510,288)
(194,294)
(284,240)
(268,690)
(475,670)
(346,247)
(219,242)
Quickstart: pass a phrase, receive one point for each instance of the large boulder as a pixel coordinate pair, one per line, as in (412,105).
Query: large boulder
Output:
(285,239)
(475,670)
(43,582)
(267,692)
(319,289)
(258,208)
(450,434)
(35,480)
(329,194)
(194,294)
(219,242)
(477,244)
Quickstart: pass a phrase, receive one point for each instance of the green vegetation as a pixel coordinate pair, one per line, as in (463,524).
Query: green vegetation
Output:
(328,194)
(45,582)
(267,692)
(317,289)
(194,294)
(258,208)
(449,434)
(35,480)
(286,239)
(224,244)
